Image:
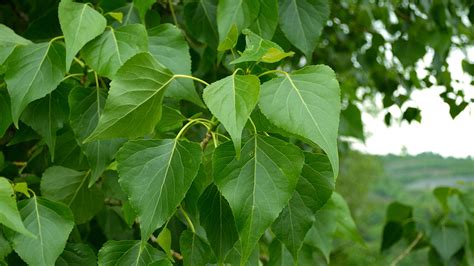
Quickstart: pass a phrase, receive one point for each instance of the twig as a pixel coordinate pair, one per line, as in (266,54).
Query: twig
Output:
(407,250)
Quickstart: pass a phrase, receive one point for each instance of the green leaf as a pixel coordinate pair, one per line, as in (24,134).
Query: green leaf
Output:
(128,252)
(279,254)
(346,227)
(232,17)
(33,71)
(8,41)
(200,19)
(447,240)
(217,219)
(5,110)
(9,215)
(168,166)
(306,102)
(267,19)
(293,224)
(80,24)
(47,115)
(171,119)
(5,247)
(466,66)
(194,249)
(86,105)
(322,232)
(51,222)
(164,240)
(77,254)
(392,233)
(302,22)
(258,49)
(351,123)
(316,183)
(313,190)
(167,44)
(70,187)
(232,100)
(135,93)
(258,185)
(108,52)
(143,6)
(68,153)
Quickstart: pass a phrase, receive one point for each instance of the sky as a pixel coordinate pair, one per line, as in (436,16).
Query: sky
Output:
(437,132)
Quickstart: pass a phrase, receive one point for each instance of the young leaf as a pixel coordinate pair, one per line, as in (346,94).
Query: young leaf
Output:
(217,219)
(108,52)
(267,19)
(80,24)
(307,103)
(70,187)
(194,249)
(133,106)
(164,240)
(200,19)
(86,105)
(238,14)
(47,115)
(8,40)
(129,252)
(258,49)
(232,100)
(156,174)
(258,185)
(77,254)
(303,21)
(51,222)
(33,71)
(9,215)
(168,46)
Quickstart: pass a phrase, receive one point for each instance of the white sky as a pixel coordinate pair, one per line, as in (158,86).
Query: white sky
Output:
(437,132)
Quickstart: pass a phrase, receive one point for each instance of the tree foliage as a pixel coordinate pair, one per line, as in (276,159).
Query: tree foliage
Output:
(196,132)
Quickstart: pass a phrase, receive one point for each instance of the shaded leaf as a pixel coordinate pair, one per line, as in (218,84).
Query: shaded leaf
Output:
(234,14)
(217,218)
(447,240)
(200,19)
(168,166)
(70,187)
(307,103)
(267,19)
(194,249)
(258,185)
(302,22)
(77,254)
(47,115)
(86,106)
(5,110)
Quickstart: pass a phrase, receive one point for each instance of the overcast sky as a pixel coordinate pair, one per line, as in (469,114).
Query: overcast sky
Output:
(437,132)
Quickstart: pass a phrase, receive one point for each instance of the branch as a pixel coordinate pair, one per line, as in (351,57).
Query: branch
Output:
(407,250)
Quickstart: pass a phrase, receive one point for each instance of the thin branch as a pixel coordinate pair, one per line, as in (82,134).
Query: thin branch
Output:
(407,250)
